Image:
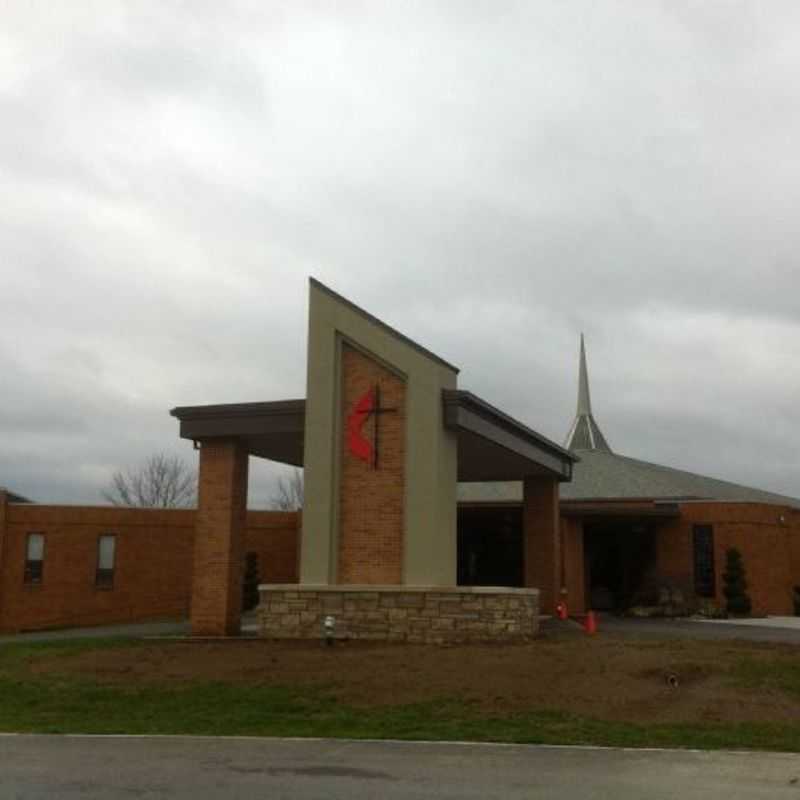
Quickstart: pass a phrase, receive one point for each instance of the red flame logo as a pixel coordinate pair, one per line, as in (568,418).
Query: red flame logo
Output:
(359,445)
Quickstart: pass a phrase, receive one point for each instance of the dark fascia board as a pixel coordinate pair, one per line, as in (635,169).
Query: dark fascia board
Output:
(465,410)
(241,419)
(381,324)
(461,397)
(261,409)
(571,508)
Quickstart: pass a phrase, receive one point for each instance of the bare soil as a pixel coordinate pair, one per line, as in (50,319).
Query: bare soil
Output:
(605,676)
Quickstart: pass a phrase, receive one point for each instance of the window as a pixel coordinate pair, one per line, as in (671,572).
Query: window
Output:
(704,576)
(34,558)
(106,550)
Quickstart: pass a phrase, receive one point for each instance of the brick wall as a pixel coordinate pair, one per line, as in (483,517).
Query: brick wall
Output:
(769,547)
(541,533)
(371,520)
(433,615)
(153,564)
(768,537)
(572,564)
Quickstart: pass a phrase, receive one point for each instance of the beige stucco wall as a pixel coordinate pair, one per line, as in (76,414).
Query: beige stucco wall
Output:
(429,555)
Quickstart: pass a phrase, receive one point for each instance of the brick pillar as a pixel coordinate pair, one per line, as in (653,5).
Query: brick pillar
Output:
(219,539)
(572,564)
(541,533)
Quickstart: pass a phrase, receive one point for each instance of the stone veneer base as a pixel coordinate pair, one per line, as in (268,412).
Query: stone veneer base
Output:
(424,614)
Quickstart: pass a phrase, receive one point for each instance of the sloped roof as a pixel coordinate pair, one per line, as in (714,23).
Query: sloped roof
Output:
(13,497)
(607,476)
(602,475)
(585,434)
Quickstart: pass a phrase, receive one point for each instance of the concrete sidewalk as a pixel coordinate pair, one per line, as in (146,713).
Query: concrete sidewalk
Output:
(111,768)
(782,623)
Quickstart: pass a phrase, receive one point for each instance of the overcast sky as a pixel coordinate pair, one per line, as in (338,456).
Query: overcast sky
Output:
(490,178)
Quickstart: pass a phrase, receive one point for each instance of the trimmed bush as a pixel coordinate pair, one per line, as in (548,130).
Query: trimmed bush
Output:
(735,584)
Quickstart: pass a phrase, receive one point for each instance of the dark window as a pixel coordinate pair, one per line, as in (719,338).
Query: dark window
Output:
(34,558)
(704,578)
(106,552)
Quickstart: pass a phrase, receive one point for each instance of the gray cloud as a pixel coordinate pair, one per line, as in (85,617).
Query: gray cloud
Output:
(491,180)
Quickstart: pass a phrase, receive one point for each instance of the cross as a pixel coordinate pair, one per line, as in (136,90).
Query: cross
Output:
(377,410)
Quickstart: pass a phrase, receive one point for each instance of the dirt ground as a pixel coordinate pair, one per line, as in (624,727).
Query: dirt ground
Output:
(605,676)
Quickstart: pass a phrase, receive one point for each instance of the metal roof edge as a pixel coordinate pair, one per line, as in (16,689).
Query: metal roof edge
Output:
(262,408)
(381,324)
(468,399)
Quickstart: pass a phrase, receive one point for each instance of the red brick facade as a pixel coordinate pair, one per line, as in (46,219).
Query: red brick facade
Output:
(153,563)
(154,555)
(219,539)
(572,557)
(768,536)
(542,540)
(371,499)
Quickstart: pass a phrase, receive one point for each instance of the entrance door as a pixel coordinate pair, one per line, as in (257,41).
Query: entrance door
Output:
(618,554)
(490,546)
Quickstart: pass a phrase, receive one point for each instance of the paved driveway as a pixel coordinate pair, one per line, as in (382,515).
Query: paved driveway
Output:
(134,630)
(37,767)
(130,630)
(750,630)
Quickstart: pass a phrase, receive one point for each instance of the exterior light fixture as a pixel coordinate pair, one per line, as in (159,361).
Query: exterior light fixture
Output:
(328,629)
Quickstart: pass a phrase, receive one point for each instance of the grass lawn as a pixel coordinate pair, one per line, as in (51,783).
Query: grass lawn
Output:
(603,691)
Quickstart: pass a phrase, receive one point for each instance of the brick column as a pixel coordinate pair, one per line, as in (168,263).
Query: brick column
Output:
(572,564)
(219,539)
(541,534)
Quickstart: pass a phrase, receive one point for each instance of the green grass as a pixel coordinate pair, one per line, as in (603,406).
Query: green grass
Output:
(781,673)
(59,704)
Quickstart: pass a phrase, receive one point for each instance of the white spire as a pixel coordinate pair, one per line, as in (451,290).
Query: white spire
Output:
(584,398)
(585,434)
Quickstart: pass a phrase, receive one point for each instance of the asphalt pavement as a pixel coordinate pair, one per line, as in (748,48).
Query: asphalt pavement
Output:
(687,628)
(181,768)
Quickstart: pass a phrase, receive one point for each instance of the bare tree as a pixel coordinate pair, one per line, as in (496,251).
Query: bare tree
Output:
(288,494)
(162,481)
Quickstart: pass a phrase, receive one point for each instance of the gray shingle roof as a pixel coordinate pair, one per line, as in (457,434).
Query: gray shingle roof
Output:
(602,476)
(586,435)
(13,497)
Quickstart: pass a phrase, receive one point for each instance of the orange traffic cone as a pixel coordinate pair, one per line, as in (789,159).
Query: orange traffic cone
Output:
(590,623)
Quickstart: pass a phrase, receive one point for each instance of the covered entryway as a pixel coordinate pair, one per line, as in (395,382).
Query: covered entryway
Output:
(618,560)
(619,552)
(490,546)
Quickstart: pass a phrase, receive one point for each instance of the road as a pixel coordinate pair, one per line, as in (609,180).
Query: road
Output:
(34,767)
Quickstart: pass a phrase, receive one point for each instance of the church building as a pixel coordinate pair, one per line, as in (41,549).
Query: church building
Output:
(633,531)
(430,516)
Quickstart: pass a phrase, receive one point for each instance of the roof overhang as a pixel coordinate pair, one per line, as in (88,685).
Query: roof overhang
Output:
(269,430)
(491,445)
(605,510)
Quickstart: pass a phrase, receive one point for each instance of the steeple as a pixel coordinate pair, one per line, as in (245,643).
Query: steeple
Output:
(585,434)
(584,399)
